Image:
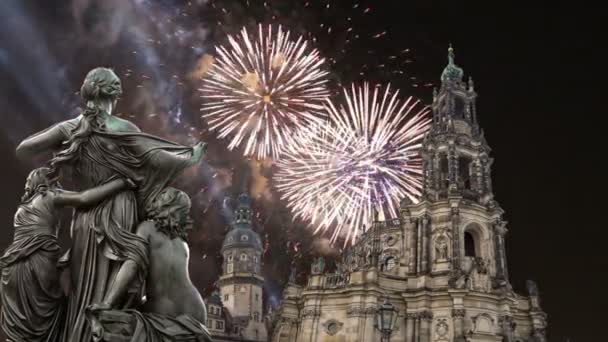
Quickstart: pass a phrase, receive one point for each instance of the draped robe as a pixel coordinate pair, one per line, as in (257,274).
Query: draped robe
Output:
(103,235)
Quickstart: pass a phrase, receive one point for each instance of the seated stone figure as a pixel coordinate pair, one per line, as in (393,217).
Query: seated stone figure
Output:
(30,292)
(174,309)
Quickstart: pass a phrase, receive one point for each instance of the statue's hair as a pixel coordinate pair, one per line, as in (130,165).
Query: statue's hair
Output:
(166,209)
(99,86)
(40,181)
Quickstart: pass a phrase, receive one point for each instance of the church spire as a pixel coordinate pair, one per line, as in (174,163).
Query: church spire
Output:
(452,72)
(455,152)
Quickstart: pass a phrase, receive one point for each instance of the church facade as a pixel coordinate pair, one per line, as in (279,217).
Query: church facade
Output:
(442,263)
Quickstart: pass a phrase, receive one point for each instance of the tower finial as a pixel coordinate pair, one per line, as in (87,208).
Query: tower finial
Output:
(452,72)
(451,55)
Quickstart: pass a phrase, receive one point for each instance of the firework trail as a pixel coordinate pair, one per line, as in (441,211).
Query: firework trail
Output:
(262,88)
(363,161)
(340,29)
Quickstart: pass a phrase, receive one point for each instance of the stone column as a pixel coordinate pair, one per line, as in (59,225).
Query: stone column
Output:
(425,245)
(309,323)
(418,245)
(478,177)
(436,172)
(410,326)
(501,256)
(458,320)
(452,167)
(417,328)
(406,256)
(426,317)
(412,243)
(455,221)
(488,175)
(293,331)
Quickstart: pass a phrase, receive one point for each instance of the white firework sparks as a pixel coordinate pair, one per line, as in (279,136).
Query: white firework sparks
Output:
(363,161)
(262,88)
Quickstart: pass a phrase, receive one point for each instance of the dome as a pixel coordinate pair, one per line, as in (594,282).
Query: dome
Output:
(242,236)
(452,72)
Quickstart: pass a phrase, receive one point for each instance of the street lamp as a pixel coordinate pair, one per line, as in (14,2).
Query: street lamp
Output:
(386,317)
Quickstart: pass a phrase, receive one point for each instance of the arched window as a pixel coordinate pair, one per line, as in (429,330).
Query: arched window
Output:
(244,257)
(469,245)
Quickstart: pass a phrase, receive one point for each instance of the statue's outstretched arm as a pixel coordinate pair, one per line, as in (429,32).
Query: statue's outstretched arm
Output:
(43,141)
(164,158)
(91,196)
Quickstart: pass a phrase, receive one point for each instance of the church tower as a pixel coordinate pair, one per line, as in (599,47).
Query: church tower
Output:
(241,280)
(457,187)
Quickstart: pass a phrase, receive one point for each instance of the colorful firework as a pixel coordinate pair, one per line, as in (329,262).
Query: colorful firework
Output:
(262,88)
(363,161)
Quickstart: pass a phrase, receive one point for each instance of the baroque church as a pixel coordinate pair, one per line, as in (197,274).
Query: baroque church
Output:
(441,265)
(234,313)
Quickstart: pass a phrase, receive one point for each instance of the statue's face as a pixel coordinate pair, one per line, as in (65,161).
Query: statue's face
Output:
(28,183)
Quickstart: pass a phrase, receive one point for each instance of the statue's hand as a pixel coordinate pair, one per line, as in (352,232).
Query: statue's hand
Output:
(130,184)
(198,151)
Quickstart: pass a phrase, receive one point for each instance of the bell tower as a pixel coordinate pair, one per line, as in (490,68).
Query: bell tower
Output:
(455,154)
(241,281)
(462,225)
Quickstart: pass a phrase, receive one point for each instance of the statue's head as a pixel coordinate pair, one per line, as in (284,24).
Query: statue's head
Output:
(171,212)
(101,85)
(38,181)
(100,92)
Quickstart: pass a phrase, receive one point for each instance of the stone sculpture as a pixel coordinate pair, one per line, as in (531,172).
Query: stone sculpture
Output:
(101,154)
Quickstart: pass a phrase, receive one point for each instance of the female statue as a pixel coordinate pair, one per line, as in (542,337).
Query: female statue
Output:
(98,147)
(32,298)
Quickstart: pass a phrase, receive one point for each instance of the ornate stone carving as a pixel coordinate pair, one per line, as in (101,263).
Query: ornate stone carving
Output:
(358,311)
(441,248)
(507,325)
(442,329)
(426,315)
(458,313)
(483,323)
(310,313)
(332,326)
(289,320)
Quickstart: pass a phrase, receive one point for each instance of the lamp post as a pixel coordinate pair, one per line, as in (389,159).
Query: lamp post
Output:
(386,317)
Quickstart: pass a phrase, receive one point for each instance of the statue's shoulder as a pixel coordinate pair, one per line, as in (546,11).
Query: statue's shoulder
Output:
(68,125)
(116,124)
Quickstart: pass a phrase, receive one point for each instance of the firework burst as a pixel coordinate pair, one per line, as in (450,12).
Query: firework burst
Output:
(363,161)
(262,88)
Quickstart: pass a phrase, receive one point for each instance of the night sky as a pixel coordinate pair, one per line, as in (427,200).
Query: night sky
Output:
(536,70)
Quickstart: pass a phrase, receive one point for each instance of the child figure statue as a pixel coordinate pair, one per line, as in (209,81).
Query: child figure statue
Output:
(174,309)
(31,295)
